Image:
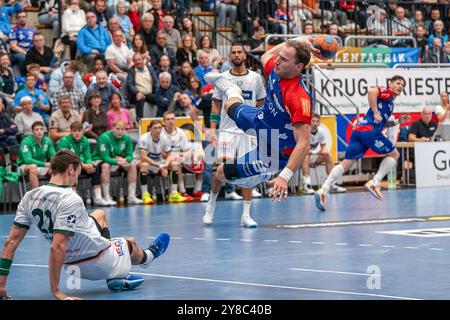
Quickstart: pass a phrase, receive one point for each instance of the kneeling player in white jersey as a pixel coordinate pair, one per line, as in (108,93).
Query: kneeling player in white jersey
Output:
(77,238)
(233,143)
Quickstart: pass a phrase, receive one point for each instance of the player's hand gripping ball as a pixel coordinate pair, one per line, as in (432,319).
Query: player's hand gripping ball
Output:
(327,45)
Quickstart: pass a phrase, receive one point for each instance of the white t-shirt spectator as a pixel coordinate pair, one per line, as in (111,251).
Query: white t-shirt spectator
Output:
(121,55)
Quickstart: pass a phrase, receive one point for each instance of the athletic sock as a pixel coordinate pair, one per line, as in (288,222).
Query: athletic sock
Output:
(386,165)
(246,209)
(334,175)
(105,190)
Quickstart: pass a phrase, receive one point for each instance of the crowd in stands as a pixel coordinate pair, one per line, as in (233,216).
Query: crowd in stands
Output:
(109,63)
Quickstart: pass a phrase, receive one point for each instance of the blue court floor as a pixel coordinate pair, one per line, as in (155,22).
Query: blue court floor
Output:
(361,248)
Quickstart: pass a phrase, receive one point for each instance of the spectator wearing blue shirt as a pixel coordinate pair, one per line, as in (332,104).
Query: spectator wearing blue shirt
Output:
(438,32)
(7,11)
(40,99)
(124,20)
(92,39)
(203,68)
(21,40)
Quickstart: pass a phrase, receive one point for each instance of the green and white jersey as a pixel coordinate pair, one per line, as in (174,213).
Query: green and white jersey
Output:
(56,208)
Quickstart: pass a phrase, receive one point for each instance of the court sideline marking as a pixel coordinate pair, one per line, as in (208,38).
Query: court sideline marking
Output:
(251,284)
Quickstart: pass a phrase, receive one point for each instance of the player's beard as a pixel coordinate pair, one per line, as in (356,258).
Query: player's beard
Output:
(237,63)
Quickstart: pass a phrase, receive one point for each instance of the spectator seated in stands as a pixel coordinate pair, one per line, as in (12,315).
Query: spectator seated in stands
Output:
(105,88)
(153,153)
(188,28)
(256,42)
(204,67)
(215,59)
(119,57)
(135,14)
(40,99)
(401,27)
(194,90)
(79,144)
(41,55)
(443,111)
(8,129)
(379,27)
(173,35)
(117,112)
(446,52)
(49,15)
(25,118)
(187,51)
(319,154)
(158,13)
(422,130)
(73,20)
(224,8)
(139,46)
(148,30)
(434,16)
(61,119)
(164,66)
(165,95)
(95,116)
(160,48)
(438,32)
(34,69)
(102,13)
(100,64)
(20,41)
(422,41)
(184,75)
(57,77)
(93,39)
(35,153)
(141,83)
(114,151)
(124,21)
(7,10)
(435,54)
(77,98)
(7,79)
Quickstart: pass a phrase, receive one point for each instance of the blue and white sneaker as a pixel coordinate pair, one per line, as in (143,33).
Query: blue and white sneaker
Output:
(159,244)
(321,199)
(129,283)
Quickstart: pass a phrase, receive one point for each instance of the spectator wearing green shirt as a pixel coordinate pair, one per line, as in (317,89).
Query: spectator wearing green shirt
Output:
(79,144)
(114,151)
(35,153)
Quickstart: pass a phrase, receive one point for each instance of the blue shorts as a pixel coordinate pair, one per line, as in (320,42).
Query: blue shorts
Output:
(255,166)
(361,141)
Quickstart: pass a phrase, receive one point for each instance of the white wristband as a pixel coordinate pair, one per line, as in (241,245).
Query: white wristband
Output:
(286,174)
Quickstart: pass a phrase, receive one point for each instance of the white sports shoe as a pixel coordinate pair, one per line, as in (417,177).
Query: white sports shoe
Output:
(110,202)
(320,198)
(256,194)
(134,200)
(205,197)
(307,189)
(248,222)
(337,189)
(232,196)
(100,202)
(208,217)
(222,83)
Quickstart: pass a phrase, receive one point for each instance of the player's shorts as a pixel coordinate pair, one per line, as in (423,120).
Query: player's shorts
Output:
(249,171)
(41,171)
(113,262)
(232,145)
(361,141)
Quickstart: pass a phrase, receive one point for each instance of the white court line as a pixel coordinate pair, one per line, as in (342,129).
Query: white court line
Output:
(222,239)
(269,240)
(436,249)
(388,246)
(318,242)
(336,272)
(341,244)
(364,245)
(413,248)
(171,238)
(253,284)
(198,238)
(293,241)
(25,237)
(246,240)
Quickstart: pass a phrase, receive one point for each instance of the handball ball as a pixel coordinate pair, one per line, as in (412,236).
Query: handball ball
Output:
(327,45)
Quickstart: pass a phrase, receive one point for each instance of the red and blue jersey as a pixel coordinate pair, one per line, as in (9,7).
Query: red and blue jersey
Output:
(287,102)
(385,105)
